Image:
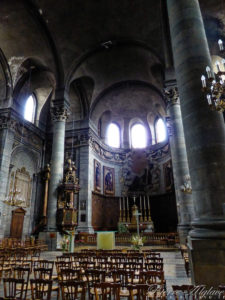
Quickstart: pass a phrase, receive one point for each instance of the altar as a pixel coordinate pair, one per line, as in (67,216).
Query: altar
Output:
(105,240)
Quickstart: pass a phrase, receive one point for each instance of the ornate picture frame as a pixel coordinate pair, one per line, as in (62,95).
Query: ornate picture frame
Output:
(109,181)
(97,176)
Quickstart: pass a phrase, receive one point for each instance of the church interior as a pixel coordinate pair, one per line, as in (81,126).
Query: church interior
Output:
(111,122)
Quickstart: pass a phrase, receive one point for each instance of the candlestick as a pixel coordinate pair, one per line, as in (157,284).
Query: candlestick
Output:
(149,211)
(127,209)
(141,211)
(145,211)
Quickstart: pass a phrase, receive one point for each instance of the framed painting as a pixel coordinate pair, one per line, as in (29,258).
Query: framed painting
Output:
(97,176)
(109,180)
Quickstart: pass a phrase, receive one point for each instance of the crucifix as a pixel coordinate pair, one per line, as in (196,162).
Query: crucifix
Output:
(137,214)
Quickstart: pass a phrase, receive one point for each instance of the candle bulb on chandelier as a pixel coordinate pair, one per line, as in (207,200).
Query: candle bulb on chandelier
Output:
(209,99)
(223,62)
(209,73)
(220,43)
(217,65)
(203,81)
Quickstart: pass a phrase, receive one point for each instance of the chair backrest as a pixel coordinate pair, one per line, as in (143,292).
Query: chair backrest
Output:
(107,290)
(13,288)
(94,276)
(124,277)
(154,266)
(22,273)
(42,273)
(47,264)
(152,277)
(63,265)
(69,274)
(41,289)
(71,288)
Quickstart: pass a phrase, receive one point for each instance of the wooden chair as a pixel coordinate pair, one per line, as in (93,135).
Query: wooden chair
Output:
(41,289)
(107,291)
(71,290)
(22,273)
(13,288)
(92,277)
(46,274)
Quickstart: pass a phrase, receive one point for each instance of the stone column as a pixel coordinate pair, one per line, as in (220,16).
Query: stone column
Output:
(126,134)
(59,116)
(6,146)
(205,142)
(180,165)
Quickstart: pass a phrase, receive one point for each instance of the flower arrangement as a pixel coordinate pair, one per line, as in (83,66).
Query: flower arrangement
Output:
(65,243)
(137,242)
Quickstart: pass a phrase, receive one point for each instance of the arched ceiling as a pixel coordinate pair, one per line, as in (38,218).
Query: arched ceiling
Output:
(63,34)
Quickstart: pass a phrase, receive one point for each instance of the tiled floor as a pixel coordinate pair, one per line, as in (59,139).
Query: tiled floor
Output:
(173,267)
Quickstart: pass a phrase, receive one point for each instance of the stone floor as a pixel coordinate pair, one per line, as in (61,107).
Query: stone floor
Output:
(173,267)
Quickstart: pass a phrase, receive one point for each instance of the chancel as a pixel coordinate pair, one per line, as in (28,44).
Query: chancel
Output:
(112,122)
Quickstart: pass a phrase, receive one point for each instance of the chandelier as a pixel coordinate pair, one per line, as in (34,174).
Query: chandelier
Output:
(213,85)
(14,198)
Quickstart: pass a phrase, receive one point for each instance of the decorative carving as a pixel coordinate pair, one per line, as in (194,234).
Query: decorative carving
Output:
(172,95)
(186,186)
(59,113)
(7,123)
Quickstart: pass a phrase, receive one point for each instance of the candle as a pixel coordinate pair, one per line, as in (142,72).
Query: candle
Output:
(217,65)
(120,202)
(127,204)
(144,203)
(203,81)
(208,71)
(220,43)
(209,99)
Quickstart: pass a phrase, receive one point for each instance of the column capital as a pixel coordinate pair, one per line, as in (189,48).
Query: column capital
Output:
(171,96)
(8,123)
(59,113)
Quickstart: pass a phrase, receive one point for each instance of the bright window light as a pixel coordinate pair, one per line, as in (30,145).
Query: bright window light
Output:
(160,129)
(138,136)
(113,135)
(29,110)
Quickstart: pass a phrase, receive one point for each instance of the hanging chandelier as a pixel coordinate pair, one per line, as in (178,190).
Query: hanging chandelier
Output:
(213,85)
(14,198)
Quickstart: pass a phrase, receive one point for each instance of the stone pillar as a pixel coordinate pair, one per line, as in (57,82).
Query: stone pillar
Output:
(126,134)
(205,143)
(6,146)
(180,165)
(59,116)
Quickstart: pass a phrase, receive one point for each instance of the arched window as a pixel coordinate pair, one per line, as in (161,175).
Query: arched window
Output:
(138,136)
(29,109)
(160,131)
(113,135)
